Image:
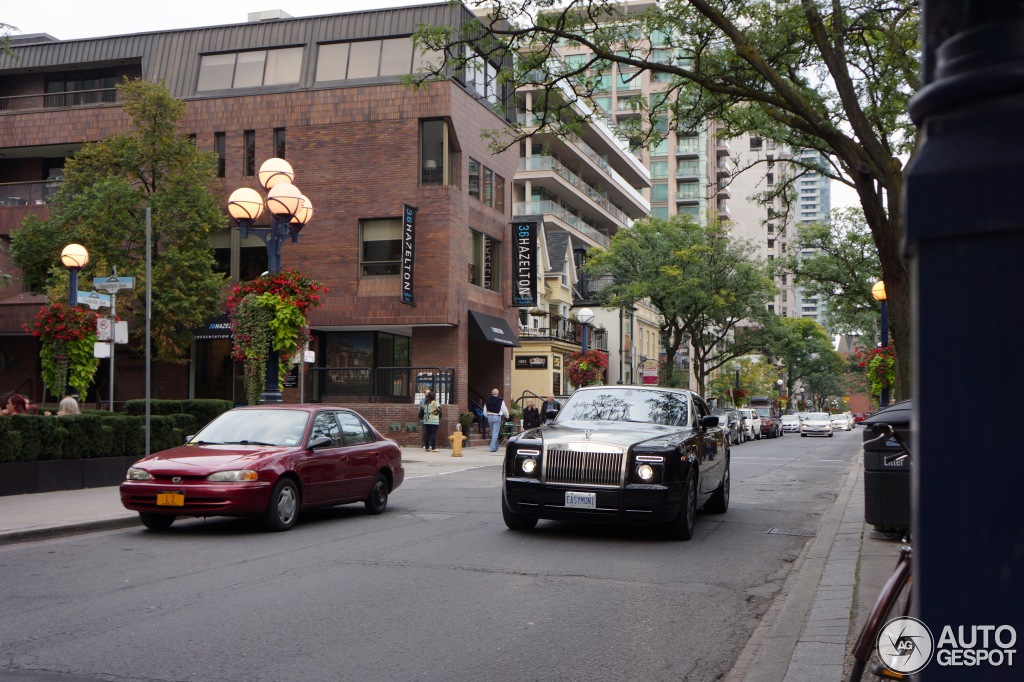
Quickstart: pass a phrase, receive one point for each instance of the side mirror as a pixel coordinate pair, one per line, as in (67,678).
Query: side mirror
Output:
(709,421)
(319,442)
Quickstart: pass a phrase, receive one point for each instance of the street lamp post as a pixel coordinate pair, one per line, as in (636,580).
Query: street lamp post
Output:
(74,257)
(878,292)
(585,316)
(780,383)
(736,391)
(289,212)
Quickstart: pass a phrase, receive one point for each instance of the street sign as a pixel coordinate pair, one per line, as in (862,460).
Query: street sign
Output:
(103,328)
(93,299)
(113,283)
(121,332)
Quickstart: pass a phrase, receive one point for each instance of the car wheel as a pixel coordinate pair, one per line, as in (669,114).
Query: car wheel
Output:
(516,521)
(377,501)
(283,509)
(803,435)
(718,503)
(830,434)
(156,521)
(682,527)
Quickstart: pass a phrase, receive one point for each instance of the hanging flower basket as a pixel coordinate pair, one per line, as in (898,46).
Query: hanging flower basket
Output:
(880,364)
(586,369)
(269,313)
(66,337)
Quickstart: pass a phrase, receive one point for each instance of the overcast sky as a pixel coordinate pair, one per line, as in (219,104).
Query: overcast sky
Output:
(67,19)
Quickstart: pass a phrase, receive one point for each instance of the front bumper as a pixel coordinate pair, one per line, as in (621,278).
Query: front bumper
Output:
(634,504)
(816,432)
(201,499)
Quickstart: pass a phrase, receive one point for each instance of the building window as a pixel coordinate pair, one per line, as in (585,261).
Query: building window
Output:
(437,153)
(74,88)
(660,212)
(659,191)
(249,153)
(381,247)
(659,170)
(484,261)
(755,144)
(486,186)
(249,69)
(219,148)
(279,143)
(474,179)
(771,179)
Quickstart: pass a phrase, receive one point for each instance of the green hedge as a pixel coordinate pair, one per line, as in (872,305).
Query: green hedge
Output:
(26,438)
(204,411)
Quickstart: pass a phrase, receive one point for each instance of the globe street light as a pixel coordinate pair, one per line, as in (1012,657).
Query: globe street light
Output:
(878,292)
(74,257)
(289,211)
(585,316)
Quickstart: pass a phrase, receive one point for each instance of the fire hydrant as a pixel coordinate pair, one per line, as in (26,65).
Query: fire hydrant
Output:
(457,439)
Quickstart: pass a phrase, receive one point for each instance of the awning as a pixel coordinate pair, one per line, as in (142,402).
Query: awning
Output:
(490,328)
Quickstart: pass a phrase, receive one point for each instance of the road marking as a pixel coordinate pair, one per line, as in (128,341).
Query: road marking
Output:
(453,471)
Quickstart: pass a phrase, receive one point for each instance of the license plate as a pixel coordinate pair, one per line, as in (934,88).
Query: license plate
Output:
(575,500)
(170,499)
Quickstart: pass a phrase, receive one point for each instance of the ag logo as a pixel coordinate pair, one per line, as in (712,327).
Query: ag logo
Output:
(905,645)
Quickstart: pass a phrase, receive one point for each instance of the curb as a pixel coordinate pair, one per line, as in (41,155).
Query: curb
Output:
(803,634)
(65,530)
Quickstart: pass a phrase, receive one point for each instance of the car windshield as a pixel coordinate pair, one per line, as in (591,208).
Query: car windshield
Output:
(765,412)
(817,416)
(621,404)
(255,427)
(790,418)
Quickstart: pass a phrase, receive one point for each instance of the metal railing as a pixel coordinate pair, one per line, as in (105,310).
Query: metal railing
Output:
(27,193)
(59,100)
(570,333)
(379,384)
(538,162)
(551,208)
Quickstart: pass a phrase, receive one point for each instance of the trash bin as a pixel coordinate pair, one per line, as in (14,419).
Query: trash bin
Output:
(886,477)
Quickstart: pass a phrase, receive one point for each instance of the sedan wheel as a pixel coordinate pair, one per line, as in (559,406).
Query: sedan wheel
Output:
(156,521)
(682,527)
(283,509)
(516,521)
(377,502)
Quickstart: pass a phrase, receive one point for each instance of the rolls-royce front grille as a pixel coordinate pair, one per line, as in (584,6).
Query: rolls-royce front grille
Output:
(584,468)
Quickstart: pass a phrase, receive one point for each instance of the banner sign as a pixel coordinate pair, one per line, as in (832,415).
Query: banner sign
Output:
(408,253)
(524,291)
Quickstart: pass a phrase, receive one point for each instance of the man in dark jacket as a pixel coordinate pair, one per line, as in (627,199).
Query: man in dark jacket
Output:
(549,409)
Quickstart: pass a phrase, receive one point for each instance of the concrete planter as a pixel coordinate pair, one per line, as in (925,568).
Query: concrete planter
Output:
(43,476)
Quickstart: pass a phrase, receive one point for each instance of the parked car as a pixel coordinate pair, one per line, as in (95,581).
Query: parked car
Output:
(732,423)
(269,461)
(790,423)
(816,424)
(842,421)
(771,427)
(752,423)
(620,454)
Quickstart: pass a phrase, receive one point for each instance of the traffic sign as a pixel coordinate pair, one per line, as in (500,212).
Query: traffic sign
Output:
(93,299)
(113,283)
(103,328)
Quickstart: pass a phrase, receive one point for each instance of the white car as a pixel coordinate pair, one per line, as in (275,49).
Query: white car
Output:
(752,423)
(842,421)
(816,424)
(790,423)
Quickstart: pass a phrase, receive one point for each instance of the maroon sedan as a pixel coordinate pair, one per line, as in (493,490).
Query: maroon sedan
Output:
(270,461)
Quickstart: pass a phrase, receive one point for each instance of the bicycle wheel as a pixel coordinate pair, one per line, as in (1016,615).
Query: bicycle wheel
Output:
(893,602)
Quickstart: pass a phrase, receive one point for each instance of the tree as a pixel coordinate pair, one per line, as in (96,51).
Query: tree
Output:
(102,204)
(842,268)
(5,40)
(804,349)
(833,77)
(703,283)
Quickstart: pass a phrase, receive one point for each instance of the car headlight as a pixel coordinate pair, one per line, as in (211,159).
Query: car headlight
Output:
(529,465)
(645,472)
(234,476)
(135,474)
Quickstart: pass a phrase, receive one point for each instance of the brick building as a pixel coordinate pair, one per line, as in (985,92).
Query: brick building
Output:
(325,93)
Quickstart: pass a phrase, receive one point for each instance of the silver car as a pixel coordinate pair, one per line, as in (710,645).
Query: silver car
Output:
(816,424)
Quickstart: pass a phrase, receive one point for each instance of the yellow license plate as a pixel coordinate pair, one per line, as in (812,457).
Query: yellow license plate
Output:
(170,499)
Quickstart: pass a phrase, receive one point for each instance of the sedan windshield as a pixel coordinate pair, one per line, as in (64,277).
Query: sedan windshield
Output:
(255,427)
(818,417)
(658,407)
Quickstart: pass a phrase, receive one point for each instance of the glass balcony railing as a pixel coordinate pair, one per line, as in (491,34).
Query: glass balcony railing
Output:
(27,193)
(59,100)
(537,163)
(551,208)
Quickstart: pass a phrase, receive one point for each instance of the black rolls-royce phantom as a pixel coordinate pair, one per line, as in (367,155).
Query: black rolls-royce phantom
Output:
(619,454)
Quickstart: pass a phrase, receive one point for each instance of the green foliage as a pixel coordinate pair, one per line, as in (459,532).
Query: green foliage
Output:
(203,411)
(250,323)
(27,438)
(66,337)
(841,268)
(702,282)
(102,202)
(466,419)
(805,350)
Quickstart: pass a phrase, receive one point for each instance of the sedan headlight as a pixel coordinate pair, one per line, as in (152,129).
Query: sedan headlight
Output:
(233,476)
(529,465)
(135,474)
(645,472)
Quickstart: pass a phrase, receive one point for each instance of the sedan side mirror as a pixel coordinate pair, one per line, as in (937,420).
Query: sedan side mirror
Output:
(709,421)
(319,442)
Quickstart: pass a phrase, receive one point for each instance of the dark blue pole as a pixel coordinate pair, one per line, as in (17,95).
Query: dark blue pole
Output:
(275,236)
(585,325)
(72,287)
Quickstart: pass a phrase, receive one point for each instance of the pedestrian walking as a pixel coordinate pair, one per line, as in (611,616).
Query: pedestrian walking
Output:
(431,420)
(422,415)
(549,410)
(496,411)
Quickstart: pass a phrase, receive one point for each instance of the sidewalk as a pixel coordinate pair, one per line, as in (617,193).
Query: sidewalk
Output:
(805,635)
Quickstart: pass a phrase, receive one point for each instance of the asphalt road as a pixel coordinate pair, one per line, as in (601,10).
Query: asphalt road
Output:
(435,589)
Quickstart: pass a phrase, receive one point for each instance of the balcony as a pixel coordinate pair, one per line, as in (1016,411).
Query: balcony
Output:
(27,193)
(538,163)
(59,100)
(688,147)
(521,208)
(569,333)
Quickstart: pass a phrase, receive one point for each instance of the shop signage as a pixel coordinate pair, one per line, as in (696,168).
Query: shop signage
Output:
(524,290)
(408,253)
(531,362)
